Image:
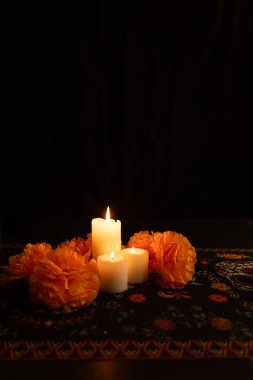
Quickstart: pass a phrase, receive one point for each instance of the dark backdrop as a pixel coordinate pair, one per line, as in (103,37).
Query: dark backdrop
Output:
(142,105)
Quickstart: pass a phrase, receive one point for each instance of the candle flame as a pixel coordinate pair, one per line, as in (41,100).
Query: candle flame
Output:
(132,250)
(112,256)
(107,218)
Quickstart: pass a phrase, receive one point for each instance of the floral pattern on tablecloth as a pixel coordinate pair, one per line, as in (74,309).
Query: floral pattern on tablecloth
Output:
(216,305)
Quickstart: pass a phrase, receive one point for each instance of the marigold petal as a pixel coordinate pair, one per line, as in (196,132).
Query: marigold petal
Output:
(175,256)
(64,279)
(79,245)
(22,265)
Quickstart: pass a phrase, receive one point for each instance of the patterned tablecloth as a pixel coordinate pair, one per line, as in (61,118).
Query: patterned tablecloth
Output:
(211,317)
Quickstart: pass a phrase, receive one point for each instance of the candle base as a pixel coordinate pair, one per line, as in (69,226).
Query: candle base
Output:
(106,290)
(137,259)
(113,273)
(137,281)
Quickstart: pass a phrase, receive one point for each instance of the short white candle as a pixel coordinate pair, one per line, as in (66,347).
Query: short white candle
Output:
(137,264)
(106,235)
(113,273)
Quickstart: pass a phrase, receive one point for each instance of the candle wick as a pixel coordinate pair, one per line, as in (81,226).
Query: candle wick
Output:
(112,256)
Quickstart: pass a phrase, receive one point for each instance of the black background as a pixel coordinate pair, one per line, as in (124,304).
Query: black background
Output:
(145,106)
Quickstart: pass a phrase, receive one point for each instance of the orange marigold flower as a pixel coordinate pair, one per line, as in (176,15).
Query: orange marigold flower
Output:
(175,257)
(144,239)
(80,246)
(22,266)
(89,237)
(64,279)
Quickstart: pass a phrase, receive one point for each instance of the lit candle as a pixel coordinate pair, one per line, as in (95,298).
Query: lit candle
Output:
(113,272)
(137,259)
(106,235)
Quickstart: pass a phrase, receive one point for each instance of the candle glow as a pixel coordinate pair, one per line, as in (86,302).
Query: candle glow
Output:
(107,217)
(113,272)
(137,259)
(112,256)
(106,235)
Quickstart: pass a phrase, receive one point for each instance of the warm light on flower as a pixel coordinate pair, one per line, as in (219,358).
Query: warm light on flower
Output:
(80,246)
(175,257)
(64,278)
(144,240)
(21,266)
(170,254)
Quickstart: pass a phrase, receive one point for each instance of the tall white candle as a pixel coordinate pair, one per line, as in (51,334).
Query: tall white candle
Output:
(137,264)
(113,273)
(106,235)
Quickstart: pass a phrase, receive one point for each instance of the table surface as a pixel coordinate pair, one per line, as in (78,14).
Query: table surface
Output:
(236,235)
